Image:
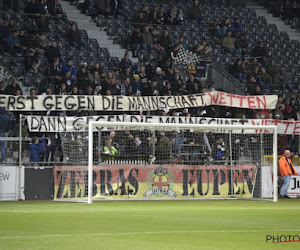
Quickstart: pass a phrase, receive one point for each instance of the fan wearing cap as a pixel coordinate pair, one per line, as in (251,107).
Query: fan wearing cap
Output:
(136,85)
(159,75)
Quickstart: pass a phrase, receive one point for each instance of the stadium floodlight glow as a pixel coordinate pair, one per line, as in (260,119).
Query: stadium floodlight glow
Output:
(129,161)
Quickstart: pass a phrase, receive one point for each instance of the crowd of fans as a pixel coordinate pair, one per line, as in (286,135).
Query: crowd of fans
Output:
(253,67)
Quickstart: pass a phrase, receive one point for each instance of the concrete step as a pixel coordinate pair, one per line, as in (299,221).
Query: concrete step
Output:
(86,23)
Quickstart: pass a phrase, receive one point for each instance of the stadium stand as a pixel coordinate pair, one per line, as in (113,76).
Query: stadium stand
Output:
(49,48)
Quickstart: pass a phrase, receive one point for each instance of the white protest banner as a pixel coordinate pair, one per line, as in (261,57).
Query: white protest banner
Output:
(72,124)
(134,103)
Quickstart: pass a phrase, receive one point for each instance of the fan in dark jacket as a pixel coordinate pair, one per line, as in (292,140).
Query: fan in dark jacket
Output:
(260,52)
(82,79)
(53,52)
(136,41)
(75,36)
(5,126)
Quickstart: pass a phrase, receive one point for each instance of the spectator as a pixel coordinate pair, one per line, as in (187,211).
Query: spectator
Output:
(195,12)
(273,71)
(165,40)
(214,28)
(53,52)
(89,91)
(172,17)
(136,85)
(205,53)
(223,28)
(82,79)
(97,67)
(57,9)
(34,44)
(12,87)
(183,89)
(182,43)
(146,13)
(159,76)
(2,88)
(236,27)
(252,65)
(284,80)
(136,41)
(266,80)
(154,15)
(13,42)
(95,79)
(228,44)
(251,84)
(33,29)
(168,90)
(125,62)
(45,8)
(238,71)
(167,69)
(176,143)
(69,67)
(62,90)
(180,17)
(220,150)
(74,91)
(127,73)
(103,7)
(34,151)
(11,28)
(116,7)
(260,52)
(241,44)
(24,40)
(142,74)
(257,91)
(140,18)
(33,9)
(110,151)
(155,41)
(147,39)
(42,24)
(55,73)
(199,145)
(126,87)
(68,80)
(295,108)
(75,37)
(163,149)
(42,147)
(295,9)
(161,18)
(31,61)
(5,126)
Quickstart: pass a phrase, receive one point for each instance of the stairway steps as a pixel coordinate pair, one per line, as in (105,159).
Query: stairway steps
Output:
(93,31)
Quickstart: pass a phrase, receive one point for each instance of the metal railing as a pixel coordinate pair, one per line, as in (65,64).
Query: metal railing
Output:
(224,81)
